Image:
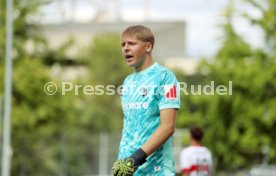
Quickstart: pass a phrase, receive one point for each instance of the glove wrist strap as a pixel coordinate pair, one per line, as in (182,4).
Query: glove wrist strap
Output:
(139,157)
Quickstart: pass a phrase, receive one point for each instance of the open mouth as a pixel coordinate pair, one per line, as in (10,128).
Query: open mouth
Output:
(128,56)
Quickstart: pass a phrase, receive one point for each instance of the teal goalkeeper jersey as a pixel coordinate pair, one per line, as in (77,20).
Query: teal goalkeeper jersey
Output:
(144,94)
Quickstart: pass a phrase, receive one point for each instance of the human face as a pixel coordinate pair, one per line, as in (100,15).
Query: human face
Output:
(135,51)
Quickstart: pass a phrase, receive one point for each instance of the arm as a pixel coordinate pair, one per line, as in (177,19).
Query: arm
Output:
(163,132)
(185,174)
(166,128)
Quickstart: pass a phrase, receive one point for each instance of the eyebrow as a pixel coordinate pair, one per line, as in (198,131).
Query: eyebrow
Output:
(130,42)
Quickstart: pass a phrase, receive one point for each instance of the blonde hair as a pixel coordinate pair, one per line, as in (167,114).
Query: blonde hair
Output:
(141,32)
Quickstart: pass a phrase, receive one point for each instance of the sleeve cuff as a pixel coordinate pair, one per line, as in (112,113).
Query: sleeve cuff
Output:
(168,106)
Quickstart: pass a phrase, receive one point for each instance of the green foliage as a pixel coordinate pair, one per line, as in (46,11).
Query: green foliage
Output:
(53,135)
(267,22)
(95,112)
(23,29)
(37,119)
(106,67)
(238,126)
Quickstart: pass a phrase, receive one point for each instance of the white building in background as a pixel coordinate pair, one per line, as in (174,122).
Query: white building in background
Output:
(187,65)
(84,19)
(169,36)
(169,49)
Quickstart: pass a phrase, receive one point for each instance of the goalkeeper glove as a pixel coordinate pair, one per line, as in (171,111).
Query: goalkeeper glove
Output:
(127,166)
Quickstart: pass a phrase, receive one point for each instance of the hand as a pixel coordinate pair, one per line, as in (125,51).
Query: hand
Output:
(124,167)
(127,166)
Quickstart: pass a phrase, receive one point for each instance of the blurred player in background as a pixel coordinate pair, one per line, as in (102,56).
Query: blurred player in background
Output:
(196,160)
(146,147)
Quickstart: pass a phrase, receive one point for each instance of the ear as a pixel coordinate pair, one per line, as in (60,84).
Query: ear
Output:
(148,47)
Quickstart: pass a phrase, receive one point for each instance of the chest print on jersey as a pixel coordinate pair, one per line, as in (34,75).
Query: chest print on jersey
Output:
(144,92)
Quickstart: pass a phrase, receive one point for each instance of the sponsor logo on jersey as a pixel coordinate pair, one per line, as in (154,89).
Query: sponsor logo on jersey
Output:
(144,91)
(170,92)
(135,105)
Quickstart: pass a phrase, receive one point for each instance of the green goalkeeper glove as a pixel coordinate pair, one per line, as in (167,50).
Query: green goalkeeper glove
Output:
(127,166)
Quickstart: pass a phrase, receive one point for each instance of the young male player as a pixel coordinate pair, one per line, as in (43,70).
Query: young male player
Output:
(150,101)
(196,160)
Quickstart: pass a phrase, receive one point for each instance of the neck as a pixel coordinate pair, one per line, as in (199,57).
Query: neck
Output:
(195,143)
(147,63)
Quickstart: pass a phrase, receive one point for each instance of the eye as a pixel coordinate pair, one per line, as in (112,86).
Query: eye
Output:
(132,43)
(123,44)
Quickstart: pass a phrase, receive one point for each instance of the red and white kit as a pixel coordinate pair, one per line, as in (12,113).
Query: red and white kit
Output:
(196,160)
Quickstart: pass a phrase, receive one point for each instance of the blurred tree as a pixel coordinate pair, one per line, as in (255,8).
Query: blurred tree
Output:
(98,111)
(37,119)
(107,68)
(238,126)
(25,32)
(55,135)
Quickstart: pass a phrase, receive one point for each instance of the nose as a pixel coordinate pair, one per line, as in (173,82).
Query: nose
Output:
(126,48)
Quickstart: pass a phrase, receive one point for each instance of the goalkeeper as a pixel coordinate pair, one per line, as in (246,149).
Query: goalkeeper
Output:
(150,101)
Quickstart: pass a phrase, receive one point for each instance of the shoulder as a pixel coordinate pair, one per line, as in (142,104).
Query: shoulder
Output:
(163,69)
(207,150)
(186,154)
(128,78)
(164,72)
(186,151)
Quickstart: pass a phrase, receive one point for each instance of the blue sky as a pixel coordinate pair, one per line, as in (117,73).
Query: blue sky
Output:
(201,16)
